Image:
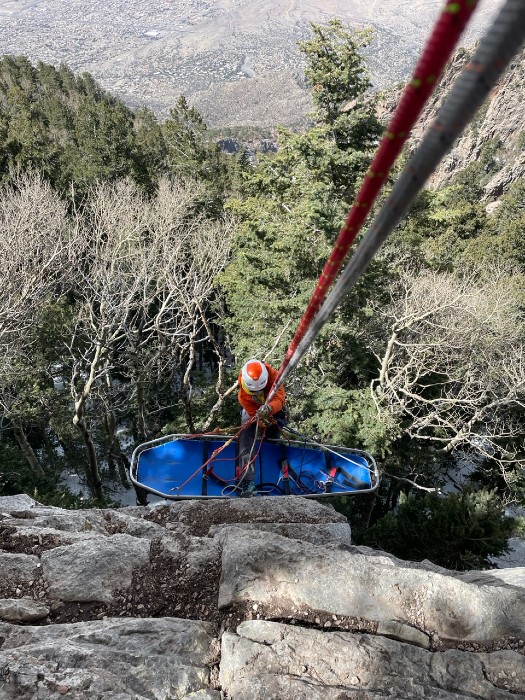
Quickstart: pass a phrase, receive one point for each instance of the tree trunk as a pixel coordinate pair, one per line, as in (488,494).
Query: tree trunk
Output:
(186,382)
(141,410)
(26,448)
(388,496)
(92,471)
(383,374)
(109,427)
(369,507)
(123,468)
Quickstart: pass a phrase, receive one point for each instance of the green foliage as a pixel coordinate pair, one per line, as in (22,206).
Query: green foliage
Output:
(342,416)
(454,230)
(335,71)
(15,474)
(502,238)
(60,496)
(289,208)
(460,531)
(449,229)
(151,147)
(32,395)
(442,224)
(103,143)
(64,125)
(190,151)
(242,133)
(73,131)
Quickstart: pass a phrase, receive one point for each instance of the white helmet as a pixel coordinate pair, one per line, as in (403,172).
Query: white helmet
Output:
(254,375)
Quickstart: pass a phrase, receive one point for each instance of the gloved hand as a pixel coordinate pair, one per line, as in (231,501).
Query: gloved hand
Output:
(264,414)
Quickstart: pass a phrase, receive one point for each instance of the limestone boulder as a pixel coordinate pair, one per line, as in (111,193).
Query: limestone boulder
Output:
(201,516)
(322,534)
(293,576)
(22,610)
(16,568)
(113,659)
(92,570)
(246,599)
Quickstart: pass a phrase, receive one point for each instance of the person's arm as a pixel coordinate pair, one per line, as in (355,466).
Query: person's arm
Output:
(277,402)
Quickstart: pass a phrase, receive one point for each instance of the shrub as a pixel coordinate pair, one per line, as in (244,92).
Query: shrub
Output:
(459,531)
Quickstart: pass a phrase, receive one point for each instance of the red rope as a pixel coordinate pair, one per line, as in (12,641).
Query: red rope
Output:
(438,50)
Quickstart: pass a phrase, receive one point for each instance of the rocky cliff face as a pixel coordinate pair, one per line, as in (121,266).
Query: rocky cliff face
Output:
(499,125)
(262,598)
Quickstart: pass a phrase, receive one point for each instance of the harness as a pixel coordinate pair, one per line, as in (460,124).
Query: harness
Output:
(346,479)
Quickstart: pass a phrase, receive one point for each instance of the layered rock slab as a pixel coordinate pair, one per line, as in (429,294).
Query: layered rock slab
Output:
(114,659)
(201,517)
(292,576)
(271,661)
(289,555)
(93,569)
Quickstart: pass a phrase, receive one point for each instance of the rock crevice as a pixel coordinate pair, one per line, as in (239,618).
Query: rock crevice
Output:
(256,598)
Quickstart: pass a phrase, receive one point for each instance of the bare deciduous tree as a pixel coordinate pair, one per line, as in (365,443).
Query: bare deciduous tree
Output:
(452,370)
(33,251)
(192,257)
(144,280)
(112,257)
(33,220)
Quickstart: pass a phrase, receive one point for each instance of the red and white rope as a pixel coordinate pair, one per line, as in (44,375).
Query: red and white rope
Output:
(438,50)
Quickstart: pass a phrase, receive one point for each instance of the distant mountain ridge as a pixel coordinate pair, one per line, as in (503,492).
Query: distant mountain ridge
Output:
(236,60)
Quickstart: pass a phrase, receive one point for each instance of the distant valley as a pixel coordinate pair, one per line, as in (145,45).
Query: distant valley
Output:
(236,60)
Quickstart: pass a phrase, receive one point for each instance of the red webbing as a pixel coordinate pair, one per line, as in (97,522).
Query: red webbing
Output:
(438,50)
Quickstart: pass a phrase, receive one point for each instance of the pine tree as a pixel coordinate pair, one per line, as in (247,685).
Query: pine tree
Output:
(151,147)
(292,208)
(460,531)
(68,128)
(191,153)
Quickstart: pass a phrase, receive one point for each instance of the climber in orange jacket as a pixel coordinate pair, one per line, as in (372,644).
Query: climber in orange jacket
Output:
(255,381)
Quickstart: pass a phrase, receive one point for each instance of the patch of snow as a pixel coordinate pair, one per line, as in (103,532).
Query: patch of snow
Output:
(456,475)
(75,484)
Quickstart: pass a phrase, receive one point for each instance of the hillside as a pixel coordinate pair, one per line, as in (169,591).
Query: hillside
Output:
(132,297)
(237,60)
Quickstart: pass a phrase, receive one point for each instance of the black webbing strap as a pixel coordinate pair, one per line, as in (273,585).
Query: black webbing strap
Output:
(285,470)
(352,480)
(347,478)
(207,470)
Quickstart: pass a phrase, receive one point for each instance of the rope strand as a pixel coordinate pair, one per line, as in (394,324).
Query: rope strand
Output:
(496,50)
(438,49)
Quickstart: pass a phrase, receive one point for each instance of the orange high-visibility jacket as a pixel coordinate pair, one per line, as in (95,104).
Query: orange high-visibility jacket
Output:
(251,402)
